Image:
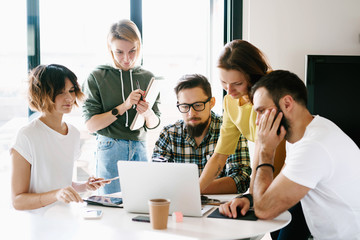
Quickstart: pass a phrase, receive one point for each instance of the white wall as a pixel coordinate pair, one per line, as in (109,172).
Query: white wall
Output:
(287,30)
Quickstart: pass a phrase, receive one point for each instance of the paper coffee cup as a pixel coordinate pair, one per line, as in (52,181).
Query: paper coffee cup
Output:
(159,212)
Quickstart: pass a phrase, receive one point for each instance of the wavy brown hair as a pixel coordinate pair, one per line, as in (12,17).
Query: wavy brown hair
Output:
(46,82)
(242,56)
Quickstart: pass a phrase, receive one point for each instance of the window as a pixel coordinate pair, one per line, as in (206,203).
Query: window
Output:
(184,39)
(74,33)
(179,37)
(13,60)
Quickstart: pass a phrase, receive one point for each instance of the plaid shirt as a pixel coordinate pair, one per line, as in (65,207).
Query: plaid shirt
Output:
(175,145)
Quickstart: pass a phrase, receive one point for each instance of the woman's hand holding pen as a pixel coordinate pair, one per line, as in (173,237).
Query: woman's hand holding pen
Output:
(134,98)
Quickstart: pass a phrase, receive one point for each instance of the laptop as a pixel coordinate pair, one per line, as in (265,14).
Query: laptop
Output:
(179,182)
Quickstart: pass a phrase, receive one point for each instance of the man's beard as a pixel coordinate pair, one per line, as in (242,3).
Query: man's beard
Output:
(197,130)
(285,123)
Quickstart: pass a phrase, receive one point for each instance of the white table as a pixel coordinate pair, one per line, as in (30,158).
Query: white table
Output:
(64,221)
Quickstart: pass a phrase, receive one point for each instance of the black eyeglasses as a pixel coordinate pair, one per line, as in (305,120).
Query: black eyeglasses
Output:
(197,106)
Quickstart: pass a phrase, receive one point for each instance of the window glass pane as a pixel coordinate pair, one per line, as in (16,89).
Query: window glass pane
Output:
(13,60)
(13,65)
(216,46)
(182,39)
(73,33)
(185,37)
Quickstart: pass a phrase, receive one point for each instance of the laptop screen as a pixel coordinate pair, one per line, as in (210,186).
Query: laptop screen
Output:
(179,182)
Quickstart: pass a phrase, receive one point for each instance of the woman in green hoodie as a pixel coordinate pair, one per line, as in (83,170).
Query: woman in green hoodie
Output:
(114,96)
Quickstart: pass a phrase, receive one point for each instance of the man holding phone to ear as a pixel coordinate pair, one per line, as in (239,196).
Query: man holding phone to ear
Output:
(321,166)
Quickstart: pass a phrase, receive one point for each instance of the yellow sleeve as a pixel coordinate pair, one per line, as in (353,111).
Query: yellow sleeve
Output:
(244,117)
(229,133)
(248,127)
(236,120)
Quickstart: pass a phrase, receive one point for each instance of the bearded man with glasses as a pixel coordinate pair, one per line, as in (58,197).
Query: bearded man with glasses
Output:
(193,138)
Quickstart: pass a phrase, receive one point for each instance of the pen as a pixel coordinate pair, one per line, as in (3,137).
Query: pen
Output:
(138,86)
(105,180)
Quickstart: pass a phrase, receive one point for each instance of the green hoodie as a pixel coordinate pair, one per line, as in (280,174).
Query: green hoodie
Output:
(106,88)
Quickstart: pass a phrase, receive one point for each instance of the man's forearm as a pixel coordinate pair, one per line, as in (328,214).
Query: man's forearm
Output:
(263,179)
(255,163)
(224,185)
(212,169)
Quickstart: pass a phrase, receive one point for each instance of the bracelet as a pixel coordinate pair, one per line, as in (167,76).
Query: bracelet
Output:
(266,164)
(152,127)
(249,197)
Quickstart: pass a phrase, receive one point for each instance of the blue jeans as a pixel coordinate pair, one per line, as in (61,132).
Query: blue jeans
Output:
(296,229)
(109,152)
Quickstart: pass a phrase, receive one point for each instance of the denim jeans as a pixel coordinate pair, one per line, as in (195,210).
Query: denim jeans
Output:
(109,152)
(296,229)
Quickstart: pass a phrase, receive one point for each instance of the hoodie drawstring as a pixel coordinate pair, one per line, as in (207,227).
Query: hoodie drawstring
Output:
(123,94)
(131,81)
(132,85)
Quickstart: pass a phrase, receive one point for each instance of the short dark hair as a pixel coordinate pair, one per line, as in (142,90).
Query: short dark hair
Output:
(191,81)
(280,83)
(46,82)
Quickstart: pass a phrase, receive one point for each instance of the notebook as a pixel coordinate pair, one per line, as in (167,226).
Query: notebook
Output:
(179,182)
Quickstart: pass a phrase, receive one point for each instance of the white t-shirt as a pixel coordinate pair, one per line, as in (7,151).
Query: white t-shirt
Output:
(50,154)
(327,161)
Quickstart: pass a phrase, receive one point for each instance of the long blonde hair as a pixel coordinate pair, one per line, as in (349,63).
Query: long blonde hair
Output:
(124,30)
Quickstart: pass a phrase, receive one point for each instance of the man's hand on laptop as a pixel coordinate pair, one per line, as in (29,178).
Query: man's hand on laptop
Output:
(229,209)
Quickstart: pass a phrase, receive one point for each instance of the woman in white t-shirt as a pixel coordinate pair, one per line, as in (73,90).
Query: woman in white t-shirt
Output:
(44,151)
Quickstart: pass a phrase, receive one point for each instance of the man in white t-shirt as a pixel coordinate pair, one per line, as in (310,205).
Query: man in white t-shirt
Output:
(321,166)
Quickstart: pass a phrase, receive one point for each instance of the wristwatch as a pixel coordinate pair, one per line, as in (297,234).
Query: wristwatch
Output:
(115,112)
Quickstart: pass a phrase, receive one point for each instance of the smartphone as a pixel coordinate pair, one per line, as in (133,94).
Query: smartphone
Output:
(104,201)
(209,201)
(92,214)
(141,219)
(282,122)
(105,180)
